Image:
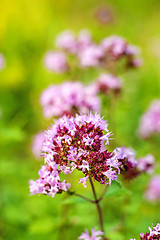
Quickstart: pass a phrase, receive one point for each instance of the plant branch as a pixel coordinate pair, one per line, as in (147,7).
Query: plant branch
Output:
(103,193)
(87,199)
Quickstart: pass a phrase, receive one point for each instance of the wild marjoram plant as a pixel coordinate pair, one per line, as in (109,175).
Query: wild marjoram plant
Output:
(78,140)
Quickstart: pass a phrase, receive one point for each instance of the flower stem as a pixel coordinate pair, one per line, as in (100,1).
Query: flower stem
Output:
(97,205)
(103,193)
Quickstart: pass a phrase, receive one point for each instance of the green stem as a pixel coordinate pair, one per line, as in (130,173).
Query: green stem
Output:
(87,199)
(97,205)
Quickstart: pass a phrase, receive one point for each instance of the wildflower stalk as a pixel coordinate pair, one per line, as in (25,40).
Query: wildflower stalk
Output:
(97,205)
(103,193)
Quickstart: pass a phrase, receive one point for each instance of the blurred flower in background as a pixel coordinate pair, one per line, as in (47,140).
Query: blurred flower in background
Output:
(56,61)
(95,235)
(104,14)
(153,189)
(69,98)
(38,140)
(150,120)
(2,62)
(108,83)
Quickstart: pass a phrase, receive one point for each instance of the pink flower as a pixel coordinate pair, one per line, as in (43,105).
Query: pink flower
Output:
(67,41)
(95,235)
(154,233)
(83,181)
(2,61)
(56,62)
(114,46)
(75,143)
(84,40)
(146,164)
(150,121)
(130,166)
(91,56)
(132,50)
(107,83)
(37,144)
(69,98)
(49,182)
(153,189)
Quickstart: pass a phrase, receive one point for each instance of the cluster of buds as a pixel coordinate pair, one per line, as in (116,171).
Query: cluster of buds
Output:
(2,61)
(150,121)
(77,143)
(89,54)
(153,234)
(153,190)
(132,167)
(69,98)
(95,235)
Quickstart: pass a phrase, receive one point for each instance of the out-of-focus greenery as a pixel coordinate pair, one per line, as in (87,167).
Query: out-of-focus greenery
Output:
(27,31)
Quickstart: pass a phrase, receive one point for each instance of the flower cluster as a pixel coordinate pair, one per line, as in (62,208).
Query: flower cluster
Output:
(56,62)
(69,98)
(37,144)
(116,48)
(2,62)
(69,42)
(79,143)
(95,235)
(49,182)
(108,83)
(153,189)
(132,167)
(153,234)
(89,54)
(146,164)
(150,121)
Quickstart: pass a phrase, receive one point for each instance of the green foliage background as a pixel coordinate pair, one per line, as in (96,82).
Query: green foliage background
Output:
(27,31)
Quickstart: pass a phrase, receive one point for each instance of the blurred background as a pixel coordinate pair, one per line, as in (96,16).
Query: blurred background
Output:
(27,31)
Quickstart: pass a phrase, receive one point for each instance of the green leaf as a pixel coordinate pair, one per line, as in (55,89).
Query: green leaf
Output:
(116,189)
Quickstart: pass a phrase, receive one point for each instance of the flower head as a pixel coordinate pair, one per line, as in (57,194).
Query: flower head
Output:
(146,164)
(56,62)
(67,41)
(150,121)
(95,235)
(76,143)
(130,166)
(91,56)
(37,144)
(69,98)
(49,182)
(107,83)
(2,61)
(153,234)
(153,190)
(114,46)
(84,40)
